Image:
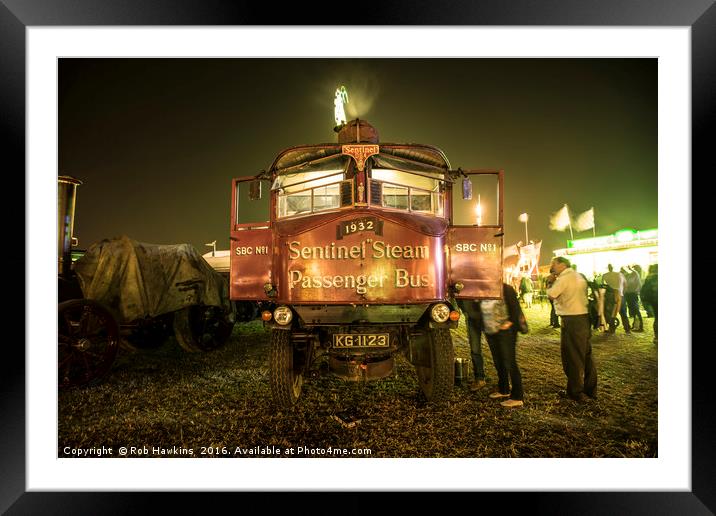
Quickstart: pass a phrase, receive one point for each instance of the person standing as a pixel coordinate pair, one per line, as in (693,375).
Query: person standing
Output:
(473,321)
(599,293)
(526,290)
(650,296)
(631,297)
(615,282)
(569,292)
(623,308)
(502,319)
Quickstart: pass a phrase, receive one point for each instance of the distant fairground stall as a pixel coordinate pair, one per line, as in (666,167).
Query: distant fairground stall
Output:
(520,260)
(624,248)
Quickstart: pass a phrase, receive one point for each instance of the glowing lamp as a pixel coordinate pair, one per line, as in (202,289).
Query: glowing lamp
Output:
(625,235)
(339,100)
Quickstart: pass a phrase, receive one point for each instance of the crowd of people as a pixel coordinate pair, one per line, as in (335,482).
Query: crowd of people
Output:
(622,294)
(577,307)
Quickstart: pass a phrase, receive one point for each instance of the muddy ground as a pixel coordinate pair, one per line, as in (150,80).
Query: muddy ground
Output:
(218,402)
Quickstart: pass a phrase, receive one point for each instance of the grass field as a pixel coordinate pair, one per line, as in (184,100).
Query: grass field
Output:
(167,398)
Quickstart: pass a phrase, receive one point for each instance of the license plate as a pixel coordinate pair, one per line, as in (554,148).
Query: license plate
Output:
(370,340)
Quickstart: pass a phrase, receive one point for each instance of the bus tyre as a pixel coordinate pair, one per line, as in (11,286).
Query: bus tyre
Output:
(437,380)
(285,370)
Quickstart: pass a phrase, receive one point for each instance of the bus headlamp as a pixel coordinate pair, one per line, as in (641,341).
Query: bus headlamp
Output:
(283,315)
(440,312)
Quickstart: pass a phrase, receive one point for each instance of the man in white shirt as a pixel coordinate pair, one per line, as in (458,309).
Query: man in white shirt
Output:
(616,283)
(614,280)
(569,292)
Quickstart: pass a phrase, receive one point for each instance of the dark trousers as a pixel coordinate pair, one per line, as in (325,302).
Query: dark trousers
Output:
(632,302)
(610,306)
(474,337)
(611,298)
(624,317)
(503,346)
(649,310)
(577,361)
(473,322)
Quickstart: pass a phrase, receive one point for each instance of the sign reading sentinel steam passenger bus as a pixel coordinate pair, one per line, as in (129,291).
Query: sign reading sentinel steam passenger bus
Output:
(362,257)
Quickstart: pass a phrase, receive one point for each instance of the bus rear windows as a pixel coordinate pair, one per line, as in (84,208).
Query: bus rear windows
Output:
(308,192)
(400,190)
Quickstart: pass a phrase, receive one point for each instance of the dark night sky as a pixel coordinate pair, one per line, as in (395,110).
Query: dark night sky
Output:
(157,141)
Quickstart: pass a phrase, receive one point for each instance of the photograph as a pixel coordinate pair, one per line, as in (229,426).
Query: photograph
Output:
(357,257)
(431,238)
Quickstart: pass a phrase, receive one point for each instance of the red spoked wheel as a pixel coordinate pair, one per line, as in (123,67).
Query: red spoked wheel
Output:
(88,337)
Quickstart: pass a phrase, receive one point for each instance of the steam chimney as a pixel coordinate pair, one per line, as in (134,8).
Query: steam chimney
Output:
(66,196)
(357,131)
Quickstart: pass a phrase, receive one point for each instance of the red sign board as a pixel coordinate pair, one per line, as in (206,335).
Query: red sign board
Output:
(251,258)
(397,264)
(475,259)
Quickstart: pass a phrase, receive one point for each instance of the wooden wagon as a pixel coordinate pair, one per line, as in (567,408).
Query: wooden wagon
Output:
(121,288)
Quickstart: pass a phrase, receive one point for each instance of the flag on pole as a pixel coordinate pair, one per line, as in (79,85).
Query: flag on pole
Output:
(585,220)
(510,259)
(559,221)
(523,217)
(529,258)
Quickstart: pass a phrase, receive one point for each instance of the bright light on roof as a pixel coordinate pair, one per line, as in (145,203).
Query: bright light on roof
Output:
(339,101)
(625,235)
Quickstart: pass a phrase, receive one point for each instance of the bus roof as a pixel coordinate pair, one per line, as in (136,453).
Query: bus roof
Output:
(424,156)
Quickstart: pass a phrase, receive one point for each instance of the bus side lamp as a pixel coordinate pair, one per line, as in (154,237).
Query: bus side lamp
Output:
(466,189)
(454,315)
(266,316)
(255,190)
(270,290)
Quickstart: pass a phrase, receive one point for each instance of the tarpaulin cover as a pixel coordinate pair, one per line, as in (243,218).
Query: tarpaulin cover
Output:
(138,280)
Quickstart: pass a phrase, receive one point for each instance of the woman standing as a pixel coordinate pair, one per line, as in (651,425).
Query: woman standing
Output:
(502,319)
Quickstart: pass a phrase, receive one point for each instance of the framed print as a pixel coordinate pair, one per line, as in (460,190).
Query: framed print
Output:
(649,62)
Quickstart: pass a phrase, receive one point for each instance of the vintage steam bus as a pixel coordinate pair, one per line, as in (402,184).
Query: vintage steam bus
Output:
(359,251)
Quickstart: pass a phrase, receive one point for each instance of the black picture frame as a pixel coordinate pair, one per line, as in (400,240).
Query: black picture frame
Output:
(17,15)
